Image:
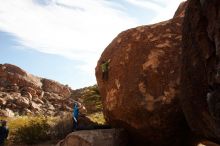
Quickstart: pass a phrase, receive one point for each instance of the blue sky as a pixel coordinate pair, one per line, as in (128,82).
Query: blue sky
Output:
(63,39)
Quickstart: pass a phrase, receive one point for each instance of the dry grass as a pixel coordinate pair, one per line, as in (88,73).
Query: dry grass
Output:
(97,117)
(38,129)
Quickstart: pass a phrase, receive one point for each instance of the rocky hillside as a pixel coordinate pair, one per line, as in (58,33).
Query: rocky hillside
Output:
(22,93)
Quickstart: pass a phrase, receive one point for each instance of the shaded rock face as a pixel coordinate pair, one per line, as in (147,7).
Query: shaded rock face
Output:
(106,137)
(200,62)
(144,75)
(22,93)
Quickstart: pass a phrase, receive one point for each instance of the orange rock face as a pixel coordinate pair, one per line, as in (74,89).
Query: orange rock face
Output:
(11,75)
(55,87)
(143,85)
(201,46)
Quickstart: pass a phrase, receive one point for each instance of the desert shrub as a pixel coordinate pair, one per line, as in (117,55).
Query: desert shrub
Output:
(62,126)
(97,117)
(33,130)
(37,129)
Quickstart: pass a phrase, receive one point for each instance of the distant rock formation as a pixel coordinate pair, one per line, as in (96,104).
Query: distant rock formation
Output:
(141,93)
(22,93)
(55,87)
(201,60)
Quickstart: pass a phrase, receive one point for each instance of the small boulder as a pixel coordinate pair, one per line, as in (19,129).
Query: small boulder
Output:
(23,102)
(105,137)
(205,143)
(6,113)
(35,107)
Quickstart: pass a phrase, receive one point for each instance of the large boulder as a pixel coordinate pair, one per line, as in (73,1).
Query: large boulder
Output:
(143,85)
(13,69)
(200,94)
(105,137)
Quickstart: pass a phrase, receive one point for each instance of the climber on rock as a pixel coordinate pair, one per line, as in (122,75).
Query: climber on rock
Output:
(75,115)
(105,68)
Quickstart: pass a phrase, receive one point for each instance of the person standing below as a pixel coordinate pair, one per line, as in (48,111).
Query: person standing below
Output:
(3,132)
(75,115)
(105,68)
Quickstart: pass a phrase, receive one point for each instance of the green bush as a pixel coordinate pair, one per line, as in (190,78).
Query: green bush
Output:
(32,132)
(27,130)
(97,117)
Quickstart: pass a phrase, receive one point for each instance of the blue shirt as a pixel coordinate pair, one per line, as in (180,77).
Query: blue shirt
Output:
(75,111)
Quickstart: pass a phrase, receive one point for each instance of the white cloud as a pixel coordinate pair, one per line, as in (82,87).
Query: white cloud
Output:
(168,11)
(79,30)
(146,4)
(164,9)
